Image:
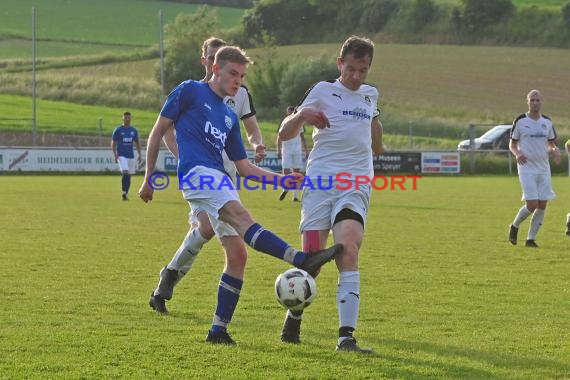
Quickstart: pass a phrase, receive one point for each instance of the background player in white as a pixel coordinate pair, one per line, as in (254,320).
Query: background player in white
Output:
(124,138)
(345,114)
(532,138)
(201,231)
(291,154)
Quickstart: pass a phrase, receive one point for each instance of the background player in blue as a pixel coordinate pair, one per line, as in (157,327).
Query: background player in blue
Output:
(205,126)
(124,136)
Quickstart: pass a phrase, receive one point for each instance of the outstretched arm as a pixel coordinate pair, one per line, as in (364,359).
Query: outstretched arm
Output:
(153,144)
(246,169)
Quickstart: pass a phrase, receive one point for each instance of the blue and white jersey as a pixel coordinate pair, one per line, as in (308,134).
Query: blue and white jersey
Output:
(205,127)
(125,137)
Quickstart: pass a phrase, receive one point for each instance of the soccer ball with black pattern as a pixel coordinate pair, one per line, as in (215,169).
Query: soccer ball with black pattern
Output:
(295,289)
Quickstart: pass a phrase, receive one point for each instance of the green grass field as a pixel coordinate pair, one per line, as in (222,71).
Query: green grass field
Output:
(443,294)
(128,22)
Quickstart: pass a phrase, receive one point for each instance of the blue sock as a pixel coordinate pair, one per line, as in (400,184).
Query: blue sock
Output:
(228,296)
(128,183)
(266,241)
(124,184)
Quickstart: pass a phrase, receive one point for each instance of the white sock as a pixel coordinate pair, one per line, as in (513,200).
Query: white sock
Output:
(535,223)
(294,194)
(348,298)
(187,252)
(521,216)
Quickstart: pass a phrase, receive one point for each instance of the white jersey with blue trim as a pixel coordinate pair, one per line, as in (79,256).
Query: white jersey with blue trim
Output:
(205,127)
(347,145)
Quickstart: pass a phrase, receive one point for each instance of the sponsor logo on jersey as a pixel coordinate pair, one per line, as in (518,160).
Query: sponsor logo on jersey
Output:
(337,95)
(229,122)
(357,114)
(207,106)
(231,103)
(216,133)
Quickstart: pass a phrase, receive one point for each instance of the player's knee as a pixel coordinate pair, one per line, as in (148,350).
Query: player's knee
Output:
(207,231)
(348,260)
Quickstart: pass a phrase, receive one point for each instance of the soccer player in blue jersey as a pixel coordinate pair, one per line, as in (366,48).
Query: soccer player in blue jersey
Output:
(200,228)
(124,137)
(206,126)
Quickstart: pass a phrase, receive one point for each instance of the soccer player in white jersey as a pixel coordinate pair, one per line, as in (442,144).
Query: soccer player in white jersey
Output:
(345,114)
(205,126)
(291,154)
(201,231)
(532,138)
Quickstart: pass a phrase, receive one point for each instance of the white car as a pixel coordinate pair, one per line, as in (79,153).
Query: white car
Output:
(496,138)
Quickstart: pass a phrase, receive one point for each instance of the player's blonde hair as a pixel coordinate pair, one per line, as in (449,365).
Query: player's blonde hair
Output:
(231,54)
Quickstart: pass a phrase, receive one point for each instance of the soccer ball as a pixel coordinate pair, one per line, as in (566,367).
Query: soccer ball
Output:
(295,289)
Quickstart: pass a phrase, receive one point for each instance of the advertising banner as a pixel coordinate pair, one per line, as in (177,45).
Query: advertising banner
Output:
(441,162)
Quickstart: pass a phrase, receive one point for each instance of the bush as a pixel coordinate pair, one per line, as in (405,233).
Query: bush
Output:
(184,46)
(534,24)
(566,16)
(302,74)
(479,14)
(264,80)
(422,13)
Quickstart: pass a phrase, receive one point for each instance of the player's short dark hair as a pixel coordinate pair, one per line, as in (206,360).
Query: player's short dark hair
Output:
(231,54)
(127,113)
(213,42)
(358,47)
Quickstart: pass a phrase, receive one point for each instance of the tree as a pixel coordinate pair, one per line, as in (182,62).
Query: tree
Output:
(422,13)
(183,46)
(566,15)
(479,14)
(377,14)
(285,21)
(302,74)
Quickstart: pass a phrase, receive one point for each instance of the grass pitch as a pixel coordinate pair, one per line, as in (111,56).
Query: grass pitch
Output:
(443,293)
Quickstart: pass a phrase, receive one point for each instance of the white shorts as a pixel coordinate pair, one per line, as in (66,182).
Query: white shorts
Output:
(127,164)
(320,207)
(209,200)
(292,159)
(536,187)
